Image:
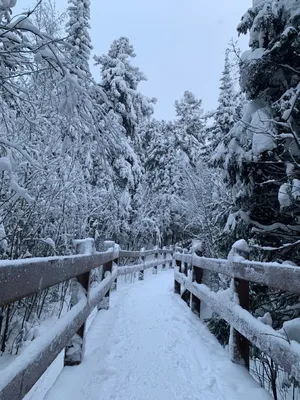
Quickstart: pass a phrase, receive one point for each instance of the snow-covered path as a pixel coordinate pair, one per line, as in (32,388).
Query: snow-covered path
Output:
(149,346)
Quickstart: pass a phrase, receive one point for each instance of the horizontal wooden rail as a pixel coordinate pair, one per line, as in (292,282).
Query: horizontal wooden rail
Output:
(147,253)
(274,275)
(261,335)
(20,376)
(232,304)
(22,278)
(130,254)
(142,267)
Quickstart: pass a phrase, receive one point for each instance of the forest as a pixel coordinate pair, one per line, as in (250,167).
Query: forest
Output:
(83,156)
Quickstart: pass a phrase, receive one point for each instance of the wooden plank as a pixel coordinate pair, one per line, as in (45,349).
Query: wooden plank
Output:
(165,251)
(129,254)
(150,252)
(147,253)
(139,267)
(20,376)
(282,277)
(22,278)
(262,336)
(277,276)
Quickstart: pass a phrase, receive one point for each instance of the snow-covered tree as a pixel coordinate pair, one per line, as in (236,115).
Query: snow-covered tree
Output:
(157,195)
(225,115)
(78,40)
(120,80)
(126,110)
(261,154)
(189,125)
(42,204)
(205,204)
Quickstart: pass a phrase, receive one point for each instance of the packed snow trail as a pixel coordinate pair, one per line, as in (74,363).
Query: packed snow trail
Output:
(149,346)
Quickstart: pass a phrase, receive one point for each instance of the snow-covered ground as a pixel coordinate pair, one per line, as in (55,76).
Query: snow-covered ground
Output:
(149,346)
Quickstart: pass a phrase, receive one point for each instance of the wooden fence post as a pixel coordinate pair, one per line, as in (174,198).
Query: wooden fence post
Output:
(109,245)
(239,345)
(156,258)
(116,262)
(141,273)
(197,277)
(186,295)
(75,351)
(177,284)
(172,261)
(164,266)
(184,267)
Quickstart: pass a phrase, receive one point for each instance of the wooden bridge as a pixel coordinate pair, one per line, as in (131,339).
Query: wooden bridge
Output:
(23,278)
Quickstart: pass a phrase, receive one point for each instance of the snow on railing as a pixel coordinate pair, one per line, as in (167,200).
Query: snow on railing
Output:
(21,278)
(232,304)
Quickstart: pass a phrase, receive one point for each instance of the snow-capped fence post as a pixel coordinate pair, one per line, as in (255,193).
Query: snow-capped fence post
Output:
(164,266)
(116,264)
(155,260)
(107,269)
(238,344)
(185,294)
(172,261)
(142,257)
(184,266)
(197,276)
(176,283)
(74,352)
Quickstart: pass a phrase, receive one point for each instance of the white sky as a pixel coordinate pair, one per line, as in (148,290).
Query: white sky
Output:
(180,44)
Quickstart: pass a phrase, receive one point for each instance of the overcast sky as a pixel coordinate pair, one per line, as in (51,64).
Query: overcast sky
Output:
(180,44)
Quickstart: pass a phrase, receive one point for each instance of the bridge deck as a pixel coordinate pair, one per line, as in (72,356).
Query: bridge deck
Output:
(149,346)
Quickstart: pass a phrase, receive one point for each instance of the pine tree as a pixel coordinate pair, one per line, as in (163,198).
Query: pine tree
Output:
(261,154)
(128,110)
(120,80)
(83,119)
(78,40)
(159,182)
(189,125)
(225,115)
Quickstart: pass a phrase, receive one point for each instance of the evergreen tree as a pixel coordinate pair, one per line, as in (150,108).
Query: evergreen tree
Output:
(189,125)
(120,80)
(226,113)
(78,40)
(128,110)
(260,155)
(261,152)
(159,184)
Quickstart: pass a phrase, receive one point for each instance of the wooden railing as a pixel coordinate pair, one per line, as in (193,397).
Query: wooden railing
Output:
(233,305)
(22,278)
